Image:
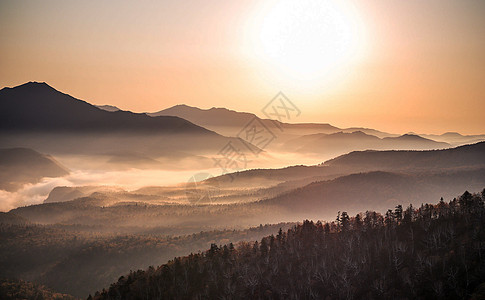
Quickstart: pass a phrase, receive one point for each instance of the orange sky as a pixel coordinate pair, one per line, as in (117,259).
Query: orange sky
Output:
(422,68)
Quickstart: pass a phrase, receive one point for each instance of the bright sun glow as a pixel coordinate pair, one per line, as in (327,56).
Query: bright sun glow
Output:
(308,40)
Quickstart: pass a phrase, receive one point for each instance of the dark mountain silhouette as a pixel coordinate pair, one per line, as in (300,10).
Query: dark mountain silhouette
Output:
(38,107)
(19,166)
(37,116)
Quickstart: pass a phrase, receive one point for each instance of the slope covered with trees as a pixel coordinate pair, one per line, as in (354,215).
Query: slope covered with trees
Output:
(467,156)
(71,260)
(19,289)
(432,252)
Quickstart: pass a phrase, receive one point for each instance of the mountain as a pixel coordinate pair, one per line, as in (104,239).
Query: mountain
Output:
(374,191)
(468,156)
(110,108)
(214,117)
(230,122)
(411,142)
(19,166)
(334,144)
(455,138)
(35,115)
(369,131)
(65,193)
(37,107)
(463,158)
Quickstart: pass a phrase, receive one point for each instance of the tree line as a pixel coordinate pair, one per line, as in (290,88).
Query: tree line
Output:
(435,251)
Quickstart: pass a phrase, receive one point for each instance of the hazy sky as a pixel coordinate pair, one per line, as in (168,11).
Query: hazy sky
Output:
(394,65)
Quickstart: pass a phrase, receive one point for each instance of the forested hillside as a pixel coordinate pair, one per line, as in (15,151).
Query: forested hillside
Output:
(431,252)
(19,289)
(71,260)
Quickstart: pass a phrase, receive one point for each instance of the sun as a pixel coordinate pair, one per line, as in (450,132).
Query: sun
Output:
(308,40)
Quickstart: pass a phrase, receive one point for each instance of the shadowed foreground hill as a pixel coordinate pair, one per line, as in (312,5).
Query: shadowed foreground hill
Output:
(433,252)
(20,165)
(78,263)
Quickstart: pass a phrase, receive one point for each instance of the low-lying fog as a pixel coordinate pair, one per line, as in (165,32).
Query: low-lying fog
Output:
(97,170)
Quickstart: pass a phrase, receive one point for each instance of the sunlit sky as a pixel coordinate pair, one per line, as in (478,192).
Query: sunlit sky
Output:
(394,65)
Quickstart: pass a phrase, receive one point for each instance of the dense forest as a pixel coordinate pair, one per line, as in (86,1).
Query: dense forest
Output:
(75,261)
(18,289)
(429,252)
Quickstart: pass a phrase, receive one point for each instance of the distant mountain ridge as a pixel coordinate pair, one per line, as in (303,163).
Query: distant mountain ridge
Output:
(462,157)
(339,143)
(229,122)
(376,190)
(455,138)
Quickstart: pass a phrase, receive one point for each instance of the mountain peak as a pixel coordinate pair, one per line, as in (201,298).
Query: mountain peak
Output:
(359,132)
(411,136)
(452,134)
(36,106)
(32,86)
(36,83)
(182,105)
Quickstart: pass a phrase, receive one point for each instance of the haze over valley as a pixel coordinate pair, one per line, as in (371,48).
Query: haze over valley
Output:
(81,170)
